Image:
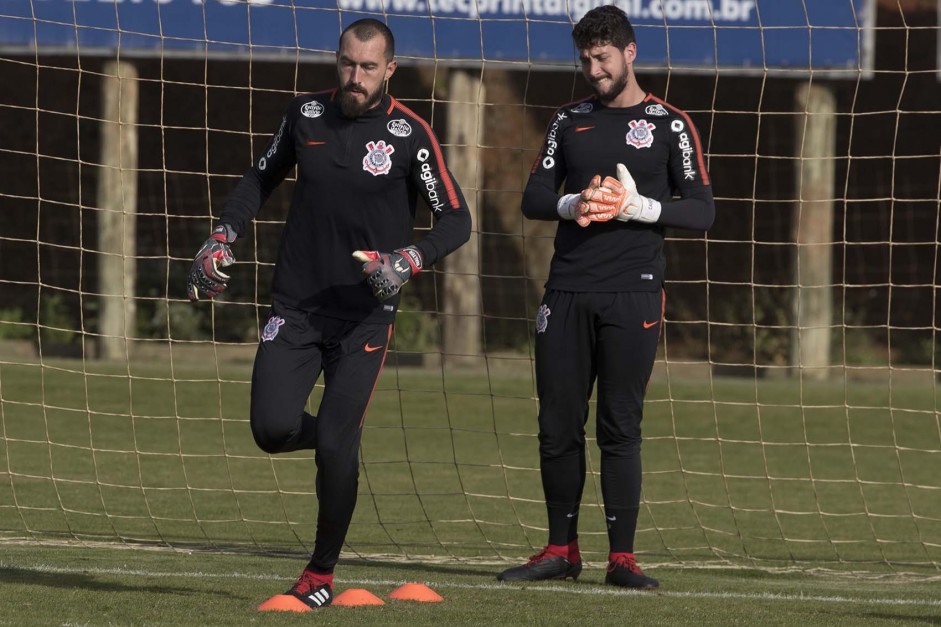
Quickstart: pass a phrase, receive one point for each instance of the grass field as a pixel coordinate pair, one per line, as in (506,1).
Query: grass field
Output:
(108,586)
(134,494)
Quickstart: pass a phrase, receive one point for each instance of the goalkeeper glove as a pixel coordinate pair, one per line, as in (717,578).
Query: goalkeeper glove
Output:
(205,275)
(620,200)
(386,273)
(601,200)
(571,207)
(578,207)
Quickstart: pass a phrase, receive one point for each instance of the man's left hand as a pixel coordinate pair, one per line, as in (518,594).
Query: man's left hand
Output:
(386,273)
(634,206)
(618,198)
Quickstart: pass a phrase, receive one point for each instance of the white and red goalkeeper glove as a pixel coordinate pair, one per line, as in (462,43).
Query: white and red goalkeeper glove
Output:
(386,273)
(205,276)
(618,199)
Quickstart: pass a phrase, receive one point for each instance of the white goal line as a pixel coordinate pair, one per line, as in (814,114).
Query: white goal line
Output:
(580,589)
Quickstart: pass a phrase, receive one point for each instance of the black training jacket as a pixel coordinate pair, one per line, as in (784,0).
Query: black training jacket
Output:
(661,148)
(358,182)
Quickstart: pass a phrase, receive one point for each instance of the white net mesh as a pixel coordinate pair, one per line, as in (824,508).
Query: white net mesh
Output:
(774,435)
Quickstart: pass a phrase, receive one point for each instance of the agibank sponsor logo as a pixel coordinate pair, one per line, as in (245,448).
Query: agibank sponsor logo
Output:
(688,151)
(263,162)
(431,181)
(552,144)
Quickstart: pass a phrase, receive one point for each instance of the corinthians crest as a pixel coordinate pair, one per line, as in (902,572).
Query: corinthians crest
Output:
(641,134)
(378,158)
(542,318)
(271,329)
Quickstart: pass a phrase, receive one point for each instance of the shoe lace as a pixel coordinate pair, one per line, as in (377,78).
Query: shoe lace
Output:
(541,555)
(308,581)
(625,561)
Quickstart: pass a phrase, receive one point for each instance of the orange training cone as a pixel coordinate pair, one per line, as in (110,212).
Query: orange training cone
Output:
(416,592)
(357,596)
(283,603)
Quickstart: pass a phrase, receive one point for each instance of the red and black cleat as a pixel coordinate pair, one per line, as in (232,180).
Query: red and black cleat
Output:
(623,571)
(544,565)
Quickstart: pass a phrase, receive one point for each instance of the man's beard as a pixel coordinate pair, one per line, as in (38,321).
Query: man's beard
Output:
(351,107)
(617,85)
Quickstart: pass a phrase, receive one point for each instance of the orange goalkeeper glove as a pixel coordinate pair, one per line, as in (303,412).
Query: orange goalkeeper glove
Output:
(602,200)
(588,206)
(620,200)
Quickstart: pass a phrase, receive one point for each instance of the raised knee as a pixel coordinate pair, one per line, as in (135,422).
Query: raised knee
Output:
(267,443)
(270,437)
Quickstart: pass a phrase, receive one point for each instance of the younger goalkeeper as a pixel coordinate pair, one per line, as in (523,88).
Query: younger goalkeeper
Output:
(363,159)
(622,155)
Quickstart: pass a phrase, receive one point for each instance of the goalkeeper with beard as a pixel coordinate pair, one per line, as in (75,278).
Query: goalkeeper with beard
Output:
(623,155)
(362,160)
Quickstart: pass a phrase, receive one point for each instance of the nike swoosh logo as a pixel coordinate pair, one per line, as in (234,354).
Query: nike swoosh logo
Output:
(579,129)
(370,349)
(315,143)
(611,518)
(647,325)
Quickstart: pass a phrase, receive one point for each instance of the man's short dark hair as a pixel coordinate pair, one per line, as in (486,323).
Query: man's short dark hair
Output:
(603,26)
(367,28)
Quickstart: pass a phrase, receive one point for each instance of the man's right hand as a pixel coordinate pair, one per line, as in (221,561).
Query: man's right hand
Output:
(596,203)
(602,200)
(205,276)
(618,198)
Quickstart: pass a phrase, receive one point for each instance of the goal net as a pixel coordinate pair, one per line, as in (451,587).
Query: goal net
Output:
(792,418)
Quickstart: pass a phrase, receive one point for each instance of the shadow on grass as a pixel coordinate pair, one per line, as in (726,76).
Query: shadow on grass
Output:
(24,576)
(894,618)
(407,566)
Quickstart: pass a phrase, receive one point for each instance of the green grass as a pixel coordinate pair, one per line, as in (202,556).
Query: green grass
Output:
(746,481)
(108,586)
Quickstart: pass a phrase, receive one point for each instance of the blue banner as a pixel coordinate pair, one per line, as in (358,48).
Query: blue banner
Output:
(752,35)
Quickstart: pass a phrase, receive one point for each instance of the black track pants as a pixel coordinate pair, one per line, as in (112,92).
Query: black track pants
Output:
(295,349)
(582,337)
